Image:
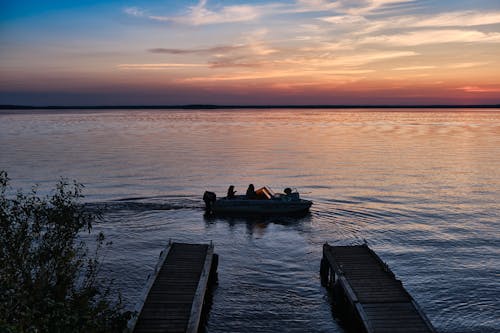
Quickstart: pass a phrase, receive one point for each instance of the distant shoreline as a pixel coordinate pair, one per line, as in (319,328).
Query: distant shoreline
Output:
(212,106)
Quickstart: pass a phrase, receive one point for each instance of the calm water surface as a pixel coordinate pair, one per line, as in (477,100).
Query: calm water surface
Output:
(421,187)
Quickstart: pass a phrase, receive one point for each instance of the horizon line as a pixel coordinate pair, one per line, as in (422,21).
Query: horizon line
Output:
(249,106)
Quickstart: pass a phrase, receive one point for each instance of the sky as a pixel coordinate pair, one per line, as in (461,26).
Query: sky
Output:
(249,52)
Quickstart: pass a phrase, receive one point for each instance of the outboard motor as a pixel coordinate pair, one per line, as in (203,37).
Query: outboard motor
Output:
(209,198)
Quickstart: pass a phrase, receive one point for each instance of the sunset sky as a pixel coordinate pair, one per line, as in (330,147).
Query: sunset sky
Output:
(249,52)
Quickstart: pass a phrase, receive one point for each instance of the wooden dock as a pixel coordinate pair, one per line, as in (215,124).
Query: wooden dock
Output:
(367,294)
(174,298)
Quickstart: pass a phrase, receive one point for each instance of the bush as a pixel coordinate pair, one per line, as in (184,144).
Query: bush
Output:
(48,277)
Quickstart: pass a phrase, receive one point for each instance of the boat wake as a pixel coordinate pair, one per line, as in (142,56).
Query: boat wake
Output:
(140,204)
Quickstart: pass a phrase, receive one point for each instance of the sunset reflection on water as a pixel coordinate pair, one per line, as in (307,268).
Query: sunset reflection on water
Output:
(421,186)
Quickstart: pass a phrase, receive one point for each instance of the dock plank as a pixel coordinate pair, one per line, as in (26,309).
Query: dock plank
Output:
(380,301)
(175,299)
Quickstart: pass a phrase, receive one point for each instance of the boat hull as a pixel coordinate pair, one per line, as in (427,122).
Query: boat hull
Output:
(260,207)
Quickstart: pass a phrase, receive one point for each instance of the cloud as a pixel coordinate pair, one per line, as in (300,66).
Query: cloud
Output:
(358,7)
(301,6)
(458,19)
(413,68)
(245,76)
(253,42)
(348,39)
(382,3)
(225,62)
(352,7)
(158,66)
(468,64)
(228,62)
(209,50)
(272,74)
(345,62)
(365,58)
(422,37)
(256,44)
(134,11)
(254,52)
(201,15)
(330,46)
(441,20)
(345,19)
(361,25)
(307,76)
(316,69)
(474,89)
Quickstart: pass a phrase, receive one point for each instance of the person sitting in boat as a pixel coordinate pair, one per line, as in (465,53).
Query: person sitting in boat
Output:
(288,194)
(251,192)
(230,192)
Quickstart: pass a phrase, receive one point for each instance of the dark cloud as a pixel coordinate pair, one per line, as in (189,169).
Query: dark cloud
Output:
(209,50)
(218,62)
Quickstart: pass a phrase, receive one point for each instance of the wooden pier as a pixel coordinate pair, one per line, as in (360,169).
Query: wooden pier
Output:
(367,294)
(174,298)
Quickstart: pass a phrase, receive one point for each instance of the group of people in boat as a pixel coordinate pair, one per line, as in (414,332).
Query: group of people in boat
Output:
(252,194)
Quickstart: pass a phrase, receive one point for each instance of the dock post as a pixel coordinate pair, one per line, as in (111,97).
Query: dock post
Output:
(324,271)
(213,270)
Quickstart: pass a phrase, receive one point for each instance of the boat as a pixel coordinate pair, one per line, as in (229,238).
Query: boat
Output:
(265,202)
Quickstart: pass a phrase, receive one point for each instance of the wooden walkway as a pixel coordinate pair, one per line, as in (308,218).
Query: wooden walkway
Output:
(175,295)
(367,294)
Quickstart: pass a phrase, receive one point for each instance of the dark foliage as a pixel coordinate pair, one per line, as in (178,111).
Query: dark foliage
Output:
(48,278)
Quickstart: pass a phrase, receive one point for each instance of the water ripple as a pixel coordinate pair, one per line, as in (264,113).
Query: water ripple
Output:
(422,188)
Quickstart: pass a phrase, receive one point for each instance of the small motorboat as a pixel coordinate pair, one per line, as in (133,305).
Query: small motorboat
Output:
(266,202)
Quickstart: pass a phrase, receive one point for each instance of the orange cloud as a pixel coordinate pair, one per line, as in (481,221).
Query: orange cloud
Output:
(475,89)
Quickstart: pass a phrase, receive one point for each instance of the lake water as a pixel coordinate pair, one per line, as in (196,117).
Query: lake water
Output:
(422,187)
